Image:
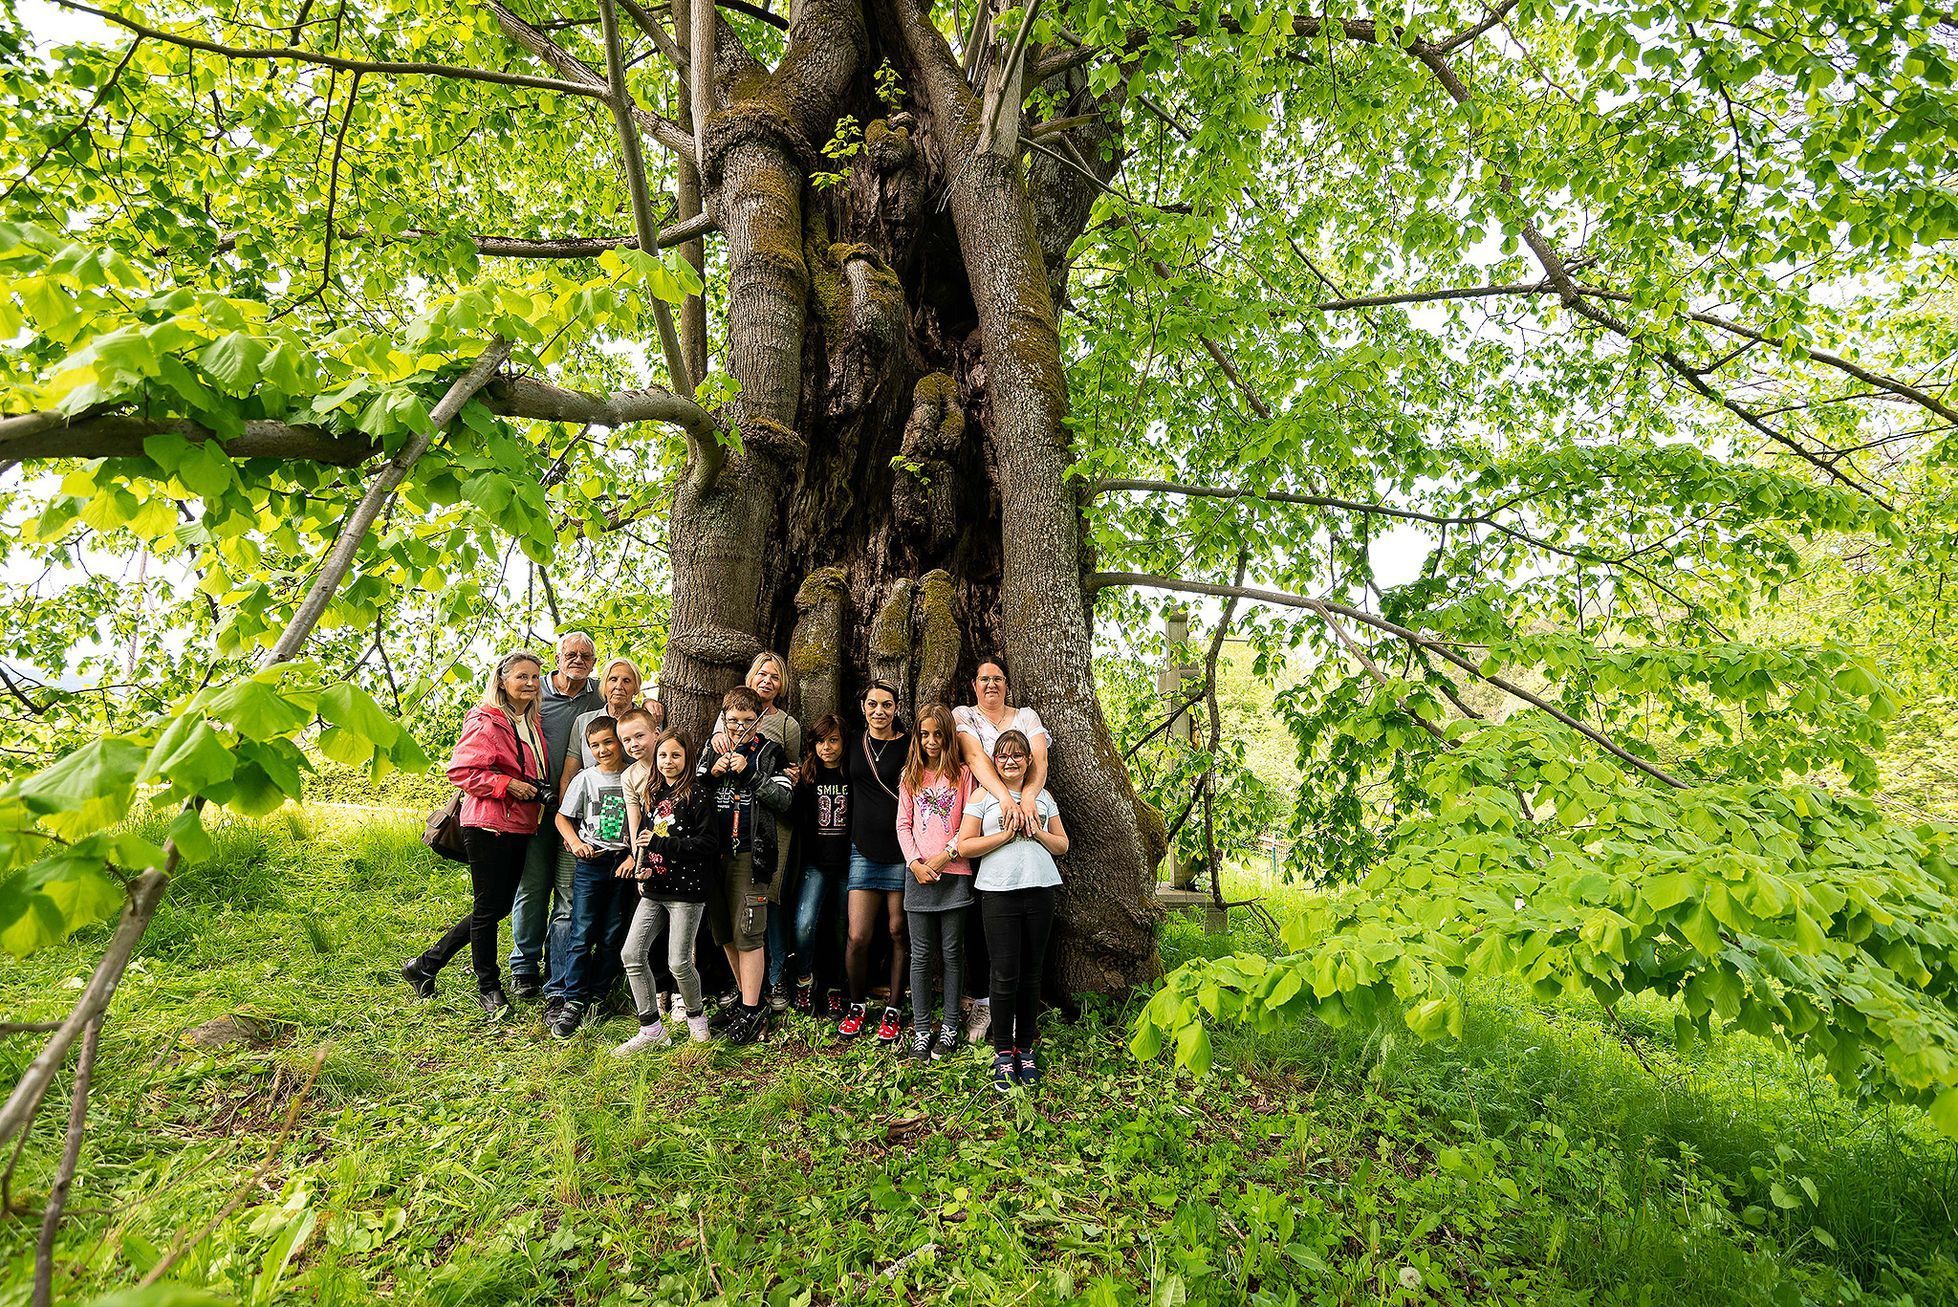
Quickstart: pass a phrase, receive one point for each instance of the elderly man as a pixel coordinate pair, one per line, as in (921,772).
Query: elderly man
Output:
(568,691)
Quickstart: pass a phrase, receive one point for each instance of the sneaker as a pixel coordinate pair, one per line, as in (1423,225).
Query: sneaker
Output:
(890,1027)
(979,1023)
(1005,1074)
(566,1021)
(921,1042)
(1029,1069)
(419,979)
(835,1005)
(653,1036)
(526,988)
(947,1043)
(852,1024)
(778,998)
(745,1028)
(804,1000)
(726,1008)
(552,1007)
(697,1029)
(496,1005)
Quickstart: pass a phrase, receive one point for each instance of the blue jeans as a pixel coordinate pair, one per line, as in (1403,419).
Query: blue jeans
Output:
(821,896)
(586,962)
(546,872)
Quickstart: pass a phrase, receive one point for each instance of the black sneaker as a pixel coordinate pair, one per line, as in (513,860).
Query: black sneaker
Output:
(804,1000)
(1005,1072)
(725,1015)
(746,1026)
(552,1007)
(526,989)
(921,1042)
(565,1021)
(496,1004)
(947,1043)
(419,978)
(1029,1069)
(835,1005)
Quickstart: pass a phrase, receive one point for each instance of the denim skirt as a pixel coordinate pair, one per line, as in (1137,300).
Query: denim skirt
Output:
(886,876)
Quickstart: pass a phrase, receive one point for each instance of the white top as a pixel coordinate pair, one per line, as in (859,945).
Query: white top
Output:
(595,800)
(968,720)
(1023,863)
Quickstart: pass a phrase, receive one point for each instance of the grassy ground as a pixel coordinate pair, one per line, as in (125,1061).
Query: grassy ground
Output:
(436,1161)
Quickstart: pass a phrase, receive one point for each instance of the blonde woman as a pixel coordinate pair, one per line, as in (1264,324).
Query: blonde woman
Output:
(499,765)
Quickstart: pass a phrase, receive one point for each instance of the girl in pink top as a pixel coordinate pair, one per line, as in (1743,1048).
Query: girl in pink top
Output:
(931,797)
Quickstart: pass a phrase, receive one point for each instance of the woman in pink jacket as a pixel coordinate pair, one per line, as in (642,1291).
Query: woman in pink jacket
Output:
(498,761)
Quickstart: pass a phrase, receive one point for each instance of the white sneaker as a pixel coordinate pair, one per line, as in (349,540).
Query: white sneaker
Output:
(697,1029)
(653,1036)
(980,1023)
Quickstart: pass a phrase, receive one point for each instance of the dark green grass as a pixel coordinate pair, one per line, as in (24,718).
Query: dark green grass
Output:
(439,1161)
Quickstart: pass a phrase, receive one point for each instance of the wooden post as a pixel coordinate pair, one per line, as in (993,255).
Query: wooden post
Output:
(1173,683)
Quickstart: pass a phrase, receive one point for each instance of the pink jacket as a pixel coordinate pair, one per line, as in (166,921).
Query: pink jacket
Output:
(487,758)
(923,831)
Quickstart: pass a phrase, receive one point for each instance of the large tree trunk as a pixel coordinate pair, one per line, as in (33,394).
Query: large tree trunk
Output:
(899,509)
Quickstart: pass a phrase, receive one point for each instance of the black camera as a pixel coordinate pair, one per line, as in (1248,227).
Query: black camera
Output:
(546,793)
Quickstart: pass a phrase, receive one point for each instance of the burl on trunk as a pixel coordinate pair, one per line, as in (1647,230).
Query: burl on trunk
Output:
(899,508)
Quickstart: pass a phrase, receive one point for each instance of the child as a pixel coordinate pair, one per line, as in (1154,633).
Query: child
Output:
(750,790)
(670,825)
(592,821)
(822,824)
(1016,882)
(931,799)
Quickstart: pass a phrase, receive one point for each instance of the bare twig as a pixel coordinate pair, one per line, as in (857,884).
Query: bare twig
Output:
(65,1177)
(385,67)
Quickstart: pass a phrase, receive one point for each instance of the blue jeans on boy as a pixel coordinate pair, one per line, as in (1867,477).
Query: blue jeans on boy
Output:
(821,894)
(586,963)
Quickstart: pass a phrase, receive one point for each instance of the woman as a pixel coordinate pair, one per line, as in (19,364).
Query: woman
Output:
(768,677)
(498,765)
(1017,881)
(620,685)
(875,763)
(979,728)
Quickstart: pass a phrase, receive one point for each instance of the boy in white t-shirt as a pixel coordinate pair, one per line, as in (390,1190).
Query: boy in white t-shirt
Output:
(592,820)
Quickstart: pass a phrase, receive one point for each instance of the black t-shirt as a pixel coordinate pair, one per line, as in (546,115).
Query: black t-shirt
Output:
(873,795)
(822,817)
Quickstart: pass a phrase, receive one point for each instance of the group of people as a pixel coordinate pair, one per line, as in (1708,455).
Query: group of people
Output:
(599,833)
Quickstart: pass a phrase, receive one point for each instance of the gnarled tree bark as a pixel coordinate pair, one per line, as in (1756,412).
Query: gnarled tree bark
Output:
(898,507)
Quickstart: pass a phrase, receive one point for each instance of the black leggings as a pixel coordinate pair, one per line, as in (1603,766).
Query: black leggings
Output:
(1018,922)
(495,866)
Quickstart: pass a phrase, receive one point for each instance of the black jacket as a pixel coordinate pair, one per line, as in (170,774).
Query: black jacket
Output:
(767,785)
(686,859)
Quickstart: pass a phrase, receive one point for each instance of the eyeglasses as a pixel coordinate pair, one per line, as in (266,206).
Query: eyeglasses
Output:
(1009,757)
(580,658)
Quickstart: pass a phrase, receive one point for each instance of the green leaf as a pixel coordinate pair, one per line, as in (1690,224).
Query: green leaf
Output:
(87,789)
(259,711)
(353,710)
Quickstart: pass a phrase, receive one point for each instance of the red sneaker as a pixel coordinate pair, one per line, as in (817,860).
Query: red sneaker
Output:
(852,1024)
(890,1027)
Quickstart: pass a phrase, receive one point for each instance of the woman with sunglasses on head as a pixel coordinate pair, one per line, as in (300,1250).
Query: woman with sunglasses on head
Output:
(1017,880)
(499,765)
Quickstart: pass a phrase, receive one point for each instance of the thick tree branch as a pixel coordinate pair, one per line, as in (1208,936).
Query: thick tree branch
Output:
(689,228)
(386,67)
(1325,609)
(663,129)
(52,435)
